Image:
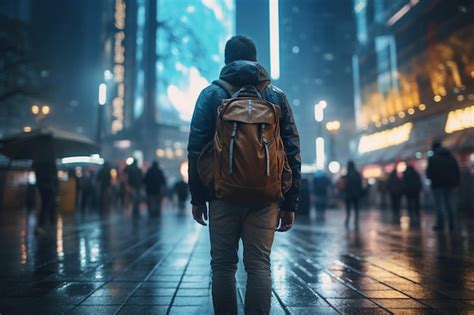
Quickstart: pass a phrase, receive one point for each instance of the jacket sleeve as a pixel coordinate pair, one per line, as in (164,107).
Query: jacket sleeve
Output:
(202,131)
(291,140)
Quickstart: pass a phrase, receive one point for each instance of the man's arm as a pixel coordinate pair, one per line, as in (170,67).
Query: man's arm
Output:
(291,140)
(202,131)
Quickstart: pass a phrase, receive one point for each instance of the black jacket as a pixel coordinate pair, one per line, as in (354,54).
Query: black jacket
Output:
(354,189)
(154,181)
(411,182)
(203,126)
(443,169)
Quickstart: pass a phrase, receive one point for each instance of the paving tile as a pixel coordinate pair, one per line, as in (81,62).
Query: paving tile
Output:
(385,294)
(193,292)
(413,311)
(312,310)
(149,300)
(352,303)
(104,300)
(399,303)
(94,309)
(191,300)
(143,310)
(150,291)
(191,310)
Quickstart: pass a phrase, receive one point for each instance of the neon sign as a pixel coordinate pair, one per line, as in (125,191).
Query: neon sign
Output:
(385,139)
(119,68)
(460,119)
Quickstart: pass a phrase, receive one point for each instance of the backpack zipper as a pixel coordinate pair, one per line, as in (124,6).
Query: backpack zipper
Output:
(231,149)
(267,151)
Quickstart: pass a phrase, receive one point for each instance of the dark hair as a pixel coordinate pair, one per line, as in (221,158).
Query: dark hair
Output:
(436,145)
(240,47)
(350,166)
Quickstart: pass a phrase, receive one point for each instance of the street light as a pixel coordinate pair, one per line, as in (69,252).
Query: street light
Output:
(102,94)
(320,154)
(45,110)
(108,75)
(102,101)
(40,112)
(333,126)
(35,109)
(319,110)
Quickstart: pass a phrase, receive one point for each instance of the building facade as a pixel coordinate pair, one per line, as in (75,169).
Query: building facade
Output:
(158,56)
(413,84)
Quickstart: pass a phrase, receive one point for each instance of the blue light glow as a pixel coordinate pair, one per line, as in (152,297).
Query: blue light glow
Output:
(274,40)
(140,81)
(190,49)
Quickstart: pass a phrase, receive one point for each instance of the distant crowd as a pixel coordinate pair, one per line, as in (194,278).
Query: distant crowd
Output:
(106,188)
(442,172)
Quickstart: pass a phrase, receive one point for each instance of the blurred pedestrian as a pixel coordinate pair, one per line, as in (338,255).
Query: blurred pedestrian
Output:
(30,193)
(321,185)
(443,171)
(395,190)
(412,188)
(86,185)
(351,183)
(181,190)
(382,191)
(134,181)
(155,187)
(304,203)
(251,218)
(104,181)
(47,182)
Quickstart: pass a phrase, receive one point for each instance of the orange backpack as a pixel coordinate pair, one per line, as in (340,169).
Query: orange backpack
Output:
(246,162)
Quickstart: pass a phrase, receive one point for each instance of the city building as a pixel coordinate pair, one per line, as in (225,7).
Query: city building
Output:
(413,84)
(18,77)
(158,56)
(314,64)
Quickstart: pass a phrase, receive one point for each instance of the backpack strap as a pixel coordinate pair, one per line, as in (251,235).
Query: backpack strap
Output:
(229,88)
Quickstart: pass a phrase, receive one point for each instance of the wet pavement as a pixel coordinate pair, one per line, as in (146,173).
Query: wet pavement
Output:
(119,263)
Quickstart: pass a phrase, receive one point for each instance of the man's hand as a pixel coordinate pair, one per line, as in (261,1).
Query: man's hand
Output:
(200,214)
(286,220)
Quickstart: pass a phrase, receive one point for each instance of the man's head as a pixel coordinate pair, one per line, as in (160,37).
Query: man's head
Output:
(350,166)
(436,145)
(240,47)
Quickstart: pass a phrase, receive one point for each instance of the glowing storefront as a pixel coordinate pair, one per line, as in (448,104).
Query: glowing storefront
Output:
(413,83)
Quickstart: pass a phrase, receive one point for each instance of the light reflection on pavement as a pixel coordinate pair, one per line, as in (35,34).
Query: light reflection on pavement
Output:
(118,263)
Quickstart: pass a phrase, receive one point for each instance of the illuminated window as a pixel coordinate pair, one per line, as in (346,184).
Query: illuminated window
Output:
(360,10)
(460,119)
(385,139)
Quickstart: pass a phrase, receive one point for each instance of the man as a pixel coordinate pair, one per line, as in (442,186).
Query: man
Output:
(321,185)
(155,186)
(352,187)
(412,187)
(230,221)
(44,166)
(47,183)
(443,171)
(134,181)
(104,181)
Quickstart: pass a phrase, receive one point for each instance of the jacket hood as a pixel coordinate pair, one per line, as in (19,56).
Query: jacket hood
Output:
(243,72)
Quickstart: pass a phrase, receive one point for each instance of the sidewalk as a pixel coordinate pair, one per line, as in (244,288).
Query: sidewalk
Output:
(120,264)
